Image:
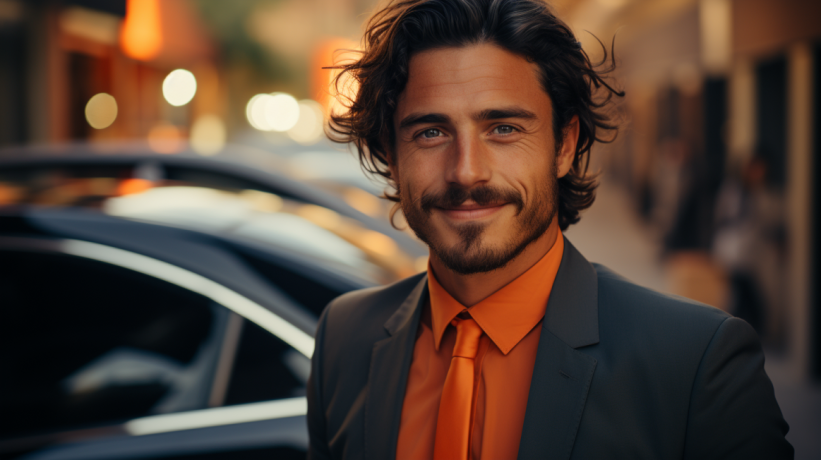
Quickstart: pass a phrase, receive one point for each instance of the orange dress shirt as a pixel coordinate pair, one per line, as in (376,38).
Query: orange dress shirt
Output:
(511,319)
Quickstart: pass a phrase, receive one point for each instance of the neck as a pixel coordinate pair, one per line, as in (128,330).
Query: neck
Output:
(469,290)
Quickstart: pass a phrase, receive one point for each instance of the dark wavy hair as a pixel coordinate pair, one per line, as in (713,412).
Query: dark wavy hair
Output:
(528,28)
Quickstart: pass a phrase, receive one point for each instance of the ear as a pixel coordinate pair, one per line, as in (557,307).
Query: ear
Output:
(566,154)
(390,160)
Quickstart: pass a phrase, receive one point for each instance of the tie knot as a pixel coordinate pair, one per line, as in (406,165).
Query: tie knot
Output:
(467,338)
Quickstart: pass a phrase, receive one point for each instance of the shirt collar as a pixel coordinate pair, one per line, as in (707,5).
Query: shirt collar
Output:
(509,313)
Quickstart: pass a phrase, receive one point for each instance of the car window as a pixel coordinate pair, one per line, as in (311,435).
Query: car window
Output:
(313,295)
(265,368)
(83,343)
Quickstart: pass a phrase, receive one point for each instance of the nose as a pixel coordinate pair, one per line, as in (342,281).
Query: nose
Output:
(469,163)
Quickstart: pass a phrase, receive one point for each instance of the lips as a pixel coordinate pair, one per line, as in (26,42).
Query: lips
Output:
(461,203)
(469,211)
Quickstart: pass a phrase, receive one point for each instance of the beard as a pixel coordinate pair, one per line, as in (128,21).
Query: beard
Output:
(471,254)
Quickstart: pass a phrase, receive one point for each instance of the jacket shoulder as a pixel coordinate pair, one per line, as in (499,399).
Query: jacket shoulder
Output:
(702,368)
(356,320)
(622,297)
(644,326)
(371,305)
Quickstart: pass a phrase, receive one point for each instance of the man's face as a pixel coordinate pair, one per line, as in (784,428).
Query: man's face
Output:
(476,160)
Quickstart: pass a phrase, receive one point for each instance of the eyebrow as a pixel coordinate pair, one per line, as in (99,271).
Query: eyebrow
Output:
(484,115)
(418,119)
(498,114)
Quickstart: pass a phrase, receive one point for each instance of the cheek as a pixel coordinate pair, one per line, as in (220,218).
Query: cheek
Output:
(530,174)
(527,154)
(418,172)
(535,151)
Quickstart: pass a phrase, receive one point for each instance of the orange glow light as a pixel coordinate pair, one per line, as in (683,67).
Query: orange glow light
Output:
(133,186)
(329,53)
(141,36)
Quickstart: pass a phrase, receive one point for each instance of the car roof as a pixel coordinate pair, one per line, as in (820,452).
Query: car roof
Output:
(248,163)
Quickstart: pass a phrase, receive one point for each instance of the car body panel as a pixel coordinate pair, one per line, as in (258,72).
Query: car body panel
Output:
(212,268)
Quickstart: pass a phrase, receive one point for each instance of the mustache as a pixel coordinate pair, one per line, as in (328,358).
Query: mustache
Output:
(482,195)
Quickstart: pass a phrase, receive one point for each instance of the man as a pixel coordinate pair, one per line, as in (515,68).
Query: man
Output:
(481,114)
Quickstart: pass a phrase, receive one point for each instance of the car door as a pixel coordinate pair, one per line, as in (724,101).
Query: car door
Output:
(111,354)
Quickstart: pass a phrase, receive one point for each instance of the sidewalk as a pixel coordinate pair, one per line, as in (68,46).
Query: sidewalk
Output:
(611,233)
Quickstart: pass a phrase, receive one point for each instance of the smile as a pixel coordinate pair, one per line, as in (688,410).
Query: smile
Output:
(472,211)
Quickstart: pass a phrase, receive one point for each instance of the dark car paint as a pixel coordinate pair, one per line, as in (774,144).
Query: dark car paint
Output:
(215,257)
(235,170)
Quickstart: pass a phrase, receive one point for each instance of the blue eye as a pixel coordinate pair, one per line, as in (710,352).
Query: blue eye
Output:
(431,133)
(504,129)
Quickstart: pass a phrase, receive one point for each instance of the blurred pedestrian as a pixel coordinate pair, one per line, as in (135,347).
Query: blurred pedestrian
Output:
(749,234)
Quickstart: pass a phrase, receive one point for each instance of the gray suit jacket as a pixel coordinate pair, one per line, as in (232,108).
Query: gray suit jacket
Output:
(621,372)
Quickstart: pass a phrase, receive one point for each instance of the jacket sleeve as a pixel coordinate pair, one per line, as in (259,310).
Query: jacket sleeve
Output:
(733,412)
(317,436)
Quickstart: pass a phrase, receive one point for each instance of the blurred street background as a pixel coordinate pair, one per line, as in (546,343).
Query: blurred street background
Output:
(708,192)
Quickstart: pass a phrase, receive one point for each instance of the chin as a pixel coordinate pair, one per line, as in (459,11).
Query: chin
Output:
(480,246)
(477,255)
(477,248)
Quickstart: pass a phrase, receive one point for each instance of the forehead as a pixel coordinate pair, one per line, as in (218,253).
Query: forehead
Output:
(471,78)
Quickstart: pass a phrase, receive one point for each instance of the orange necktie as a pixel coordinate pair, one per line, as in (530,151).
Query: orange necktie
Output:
(453,424)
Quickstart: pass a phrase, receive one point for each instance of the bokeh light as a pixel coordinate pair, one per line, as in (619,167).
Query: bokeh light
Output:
(272,112)
(309,126)
(255,112)
(344,92)
(140,36)
(166,138)
(101,111)
(179,87)
(281,111)
(208,135)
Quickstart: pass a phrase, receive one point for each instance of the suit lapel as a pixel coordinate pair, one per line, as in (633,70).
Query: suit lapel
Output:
(388,376)
(562,374)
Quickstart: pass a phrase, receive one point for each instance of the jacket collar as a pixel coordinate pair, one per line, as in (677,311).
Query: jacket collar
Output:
(572,312)
(562,374)
(388,375)
(409,306)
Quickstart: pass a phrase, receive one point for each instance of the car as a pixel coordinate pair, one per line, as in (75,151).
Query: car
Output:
(163,306)
(134,329)
(83,174)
